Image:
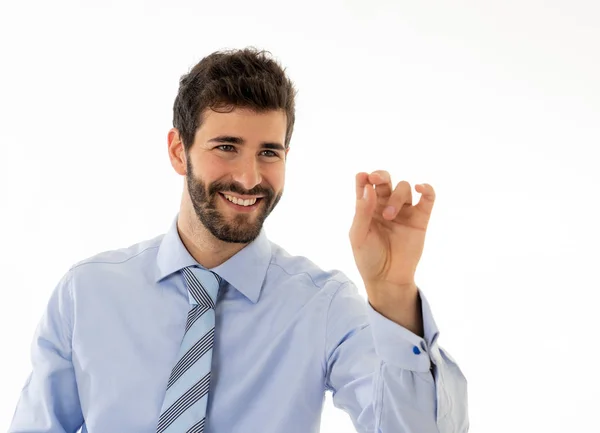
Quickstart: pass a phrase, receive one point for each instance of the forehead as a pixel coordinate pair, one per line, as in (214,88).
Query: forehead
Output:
(245,123)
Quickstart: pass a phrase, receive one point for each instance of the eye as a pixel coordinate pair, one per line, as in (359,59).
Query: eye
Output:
(271,153)
(228,148)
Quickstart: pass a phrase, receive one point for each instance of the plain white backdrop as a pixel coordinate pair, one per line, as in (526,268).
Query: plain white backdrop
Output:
(495,104)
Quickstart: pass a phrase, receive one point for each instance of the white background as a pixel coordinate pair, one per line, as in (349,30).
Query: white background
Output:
(496,104)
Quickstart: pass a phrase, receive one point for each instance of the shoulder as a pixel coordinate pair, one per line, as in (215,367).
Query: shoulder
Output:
(300,270)
(121,263)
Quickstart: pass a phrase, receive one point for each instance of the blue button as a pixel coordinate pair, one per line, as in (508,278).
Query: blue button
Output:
(416,350)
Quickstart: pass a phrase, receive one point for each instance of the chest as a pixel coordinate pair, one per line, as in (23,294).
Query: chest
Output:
(264,354)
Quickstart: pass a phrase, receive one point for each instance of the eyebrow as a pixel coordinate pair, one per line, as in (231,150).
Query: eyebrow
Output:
(228,139)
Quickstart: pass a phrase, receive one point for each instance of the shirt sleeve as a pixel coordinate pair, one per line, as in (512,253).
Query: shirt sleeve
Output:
(49,400)
(388,379)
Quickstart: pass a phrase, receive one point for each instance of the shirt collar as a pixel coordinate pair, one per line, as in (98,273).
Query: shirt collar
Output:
(245,271)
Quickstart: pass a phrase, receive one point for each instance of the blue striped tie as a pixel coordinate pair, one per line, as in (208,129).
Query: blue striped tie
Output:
(184,406)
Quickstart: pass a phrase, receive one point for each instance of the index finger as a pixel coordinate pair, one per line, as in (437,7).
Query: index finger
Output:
(383,183)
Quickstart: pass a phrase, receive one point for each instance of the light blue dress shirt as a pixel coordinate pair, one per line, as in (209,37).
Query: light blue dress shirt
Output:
(286,332)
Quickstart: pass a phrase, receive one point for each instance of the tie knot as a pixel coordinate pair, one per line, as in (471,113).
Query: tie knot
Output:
(202,285)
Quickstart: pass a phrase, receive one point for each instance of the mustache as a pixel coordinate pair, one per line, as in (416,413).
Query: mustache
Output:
(238,189)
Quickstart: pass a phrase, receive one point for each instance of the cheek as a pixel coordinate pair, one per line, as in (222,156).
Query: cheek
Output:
(213,168)
(275,178)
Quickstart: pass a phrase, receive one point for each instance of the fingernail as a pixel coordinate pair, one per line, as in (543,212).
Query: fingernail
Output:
(390,210)
(365,192)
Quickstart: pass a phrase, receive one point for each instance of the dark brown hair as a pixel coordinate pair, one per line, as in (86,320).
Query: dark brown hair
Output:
(224,80)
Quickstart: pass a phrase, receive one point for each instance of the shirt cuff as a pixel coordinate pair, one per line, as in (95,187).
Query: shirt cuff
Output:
(398,346)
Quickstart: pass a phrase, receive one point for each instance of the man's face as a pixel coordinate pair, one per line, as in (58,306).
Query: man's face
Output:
(237,156)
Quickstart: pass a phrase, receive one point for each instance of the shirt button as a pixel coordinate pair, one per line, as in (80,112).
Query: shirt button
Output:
(416,350)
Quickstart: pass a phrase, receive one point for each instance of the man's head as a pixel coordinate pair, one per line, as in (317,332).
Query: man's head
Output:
(233,120)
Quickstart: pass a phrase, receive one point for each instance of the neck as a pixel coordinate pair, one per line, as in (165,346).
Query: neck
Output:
(200,243)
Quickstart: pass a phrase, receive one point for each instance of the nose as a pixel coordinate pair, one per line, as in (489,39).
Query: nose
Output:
(247,173)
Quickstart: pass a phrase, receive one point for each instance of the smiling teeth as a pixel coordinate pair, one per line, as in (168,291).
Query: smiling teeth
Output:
(240,202)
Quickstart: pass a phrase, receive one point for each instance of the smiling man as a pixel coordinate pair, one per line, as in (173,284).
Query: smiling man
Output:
(211,327)
(234,170)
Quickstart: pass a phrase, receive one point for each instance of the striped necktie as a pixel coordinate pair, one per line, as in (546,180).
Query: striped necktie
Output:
(184,406)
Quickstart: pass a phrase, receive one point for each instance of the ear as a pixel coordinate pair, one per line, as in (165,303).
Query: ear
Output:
(176,151)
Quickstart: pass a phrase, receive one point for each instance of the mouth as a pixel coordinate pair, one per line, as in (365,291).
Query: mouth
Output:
(241,207)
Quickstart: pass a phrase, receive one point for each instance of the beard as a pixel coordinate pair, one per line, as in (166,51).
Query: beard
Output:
(243,227)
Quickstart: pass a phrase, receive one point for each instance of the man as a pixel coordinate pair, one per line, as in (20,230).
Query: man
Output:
(213,328)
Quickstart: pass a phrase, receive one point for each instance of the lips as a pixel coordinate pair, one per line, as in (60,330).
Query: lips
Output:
(240,207)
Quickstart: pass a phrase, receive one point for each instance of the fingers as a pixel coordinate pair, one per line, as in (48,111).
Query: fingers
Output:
(402,196)
(361,180)
(380,178)
(383,183)
(365,205)
(427,199)
(393,201)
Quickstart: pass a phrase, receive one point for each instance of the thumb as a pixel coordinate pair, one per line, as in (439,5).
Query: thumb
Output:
(365,206)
